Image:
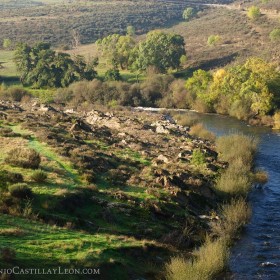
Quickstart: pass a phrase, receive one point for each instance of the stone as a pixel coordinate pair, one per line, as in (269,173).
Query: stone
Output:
(163,158)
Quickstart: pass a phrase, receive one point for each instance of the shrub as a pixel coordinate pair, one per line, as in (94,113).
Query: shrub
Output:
(198,158)
(198,130)
(20,190)
(261,177)
(210,260)
(188,13)
(276,119)
(274,35)
(185,119)
(254,13)
(39,176)
(5,131)
(213,40)
(229,183)
(112,75)
(23,157)
(238,151)
(236,180)
(234,216)
(236,146)
(13,177)
(240,109)
(178,94)
(15,93)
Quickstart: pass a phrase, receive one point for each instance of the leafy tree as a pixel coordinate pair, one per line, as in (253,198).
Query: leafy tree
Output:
(116,49)
(274,35)
(124,46)
(242,90)
(213,40)
(130,31)
(199,85)
(40,66)
(188,13)
(254,12)
(183,60)
(160,50)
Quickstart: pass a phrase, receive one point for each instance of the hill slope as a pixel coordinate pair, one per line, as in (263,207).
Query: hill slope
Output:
(114,182)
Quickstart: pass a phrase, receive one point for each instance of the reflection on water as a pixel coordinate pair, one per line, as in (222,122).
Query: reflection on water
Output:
(257,254)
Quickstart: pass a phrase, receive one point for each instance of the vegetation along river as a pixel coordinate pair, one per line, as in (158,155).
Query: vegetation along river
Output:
(257,254)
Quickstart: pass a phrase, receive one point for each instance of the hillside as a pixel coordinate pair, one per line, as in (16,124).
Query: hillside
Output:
(114,182)
(90,19)
(240,37)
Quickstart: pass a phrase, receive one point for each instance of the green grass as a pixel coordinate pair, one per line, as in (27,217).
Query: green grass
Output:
(42,245)
(133,155)
(60,171)
(51,155)
(9,67)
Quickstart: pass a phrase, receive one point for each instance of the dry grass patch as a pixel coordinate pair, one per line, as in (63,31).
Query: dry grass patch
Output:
(261,177)
(234,216)
(209,261)
(199,130)
(185,119)
(26,158)
(11,232)
(235,146)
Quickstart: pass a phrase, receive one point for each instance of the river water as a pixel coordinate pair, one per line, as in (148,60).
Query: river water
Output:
(257,254)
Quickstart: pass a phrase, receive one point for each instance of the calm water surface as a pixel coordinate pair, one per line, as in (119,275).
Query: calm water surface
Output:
(257,254)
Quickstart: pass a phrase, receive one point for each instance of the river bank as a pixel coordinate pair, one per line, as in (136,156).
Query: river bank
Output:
(256,254)
(268,121)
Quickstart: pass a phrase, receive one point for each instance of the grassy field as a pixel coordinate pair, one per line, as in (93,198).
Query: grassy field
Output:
(8,70)
(102,204)
(43,245)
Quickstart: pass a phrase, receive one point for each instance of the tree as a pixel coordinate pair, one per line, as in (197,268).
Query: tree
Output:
(123,50)
(241,90)
(254,13)
(116,49)
(199,85)
(188,13)
(213,40)
(76,38)
(274,35)
(40,66)
(183,60)
(160,50)
(130,31)
(254,83)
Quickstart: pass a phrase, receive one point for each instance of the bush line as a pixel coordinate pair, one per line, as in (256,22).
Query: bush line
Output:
(233,185)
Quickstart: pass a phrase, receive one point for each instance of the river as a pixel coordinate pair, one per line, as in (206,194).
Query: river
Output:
(257,254)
